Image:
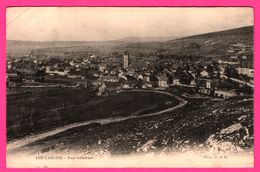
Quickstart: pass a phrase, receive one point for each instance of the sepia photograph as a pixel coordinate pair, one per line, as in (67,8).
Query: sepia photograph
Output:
(129,87)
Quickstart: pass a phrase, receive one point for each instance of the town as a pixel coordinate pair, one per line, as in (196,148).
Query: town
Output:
(121,87)
(211,76)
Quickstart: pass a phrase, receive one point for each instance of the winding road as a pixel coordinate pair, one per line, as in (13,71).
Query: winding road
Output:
(16,144)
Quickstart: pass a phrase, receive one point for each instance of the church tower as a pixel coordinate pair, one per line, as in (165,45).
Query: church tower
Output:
(125,59)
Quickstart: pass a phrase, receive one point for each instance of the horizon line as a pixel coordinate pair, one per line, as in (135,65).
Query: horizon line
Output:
(120,39)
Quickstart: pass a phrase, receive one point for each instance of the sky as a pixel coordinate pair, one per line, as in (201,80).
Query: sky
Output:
(112,23)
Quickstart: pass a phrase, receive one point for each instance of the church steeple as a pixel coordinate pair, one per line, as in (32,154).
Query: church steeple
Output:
(125,53)
(125,59)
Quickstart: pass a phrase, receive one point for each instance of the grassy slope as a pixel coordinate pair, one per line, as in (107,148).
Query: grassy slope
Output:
(215,43)
(42,111)
(187,128)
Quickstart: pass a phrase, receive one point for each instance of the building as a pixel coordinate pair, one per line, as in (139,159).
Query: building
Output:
(204,73)
(244,57)
(74,74)
(209,84)
(113,86)
(205,90)
(61,72)
(234,57)
(146,78)
(246,71)
(102,89)
(206,87)
(126,60)
(28,74)
(224,93)
(162,81)
(108,78)
(176,81)
(13,76)
(102,67)
(140,77)
(193,82)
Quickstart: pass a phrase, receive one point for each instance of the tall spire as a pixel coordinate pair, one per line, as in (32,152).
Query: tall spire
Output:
(125,59)
(125,53)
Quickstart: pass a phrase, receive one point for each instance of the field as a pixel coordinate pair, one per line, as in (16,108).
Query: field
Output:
(38,111)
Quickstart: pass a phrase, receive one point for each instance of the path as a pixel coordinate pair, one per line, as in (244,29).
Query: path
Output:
(12,145)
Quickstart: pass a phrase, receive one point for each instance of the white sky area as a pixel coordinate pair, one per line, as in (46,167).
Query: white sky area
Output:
(110,23)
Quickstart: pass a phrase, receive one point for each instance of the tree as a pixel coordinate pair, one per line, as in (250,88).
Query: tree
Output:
(185,79)
(170,78)
(230,71)
(179,71)
(153,78)
(195,45)
(210,70)
(215,66)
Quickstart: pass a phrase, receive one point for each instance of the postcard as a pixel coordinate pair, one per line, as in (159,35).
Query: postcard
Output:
(129,87)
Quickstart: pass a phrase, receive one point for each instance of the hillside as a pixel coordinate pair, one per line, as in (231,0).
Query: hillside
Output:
(215,44)
(146,39)
(223,126)
(21,48)
(82,105)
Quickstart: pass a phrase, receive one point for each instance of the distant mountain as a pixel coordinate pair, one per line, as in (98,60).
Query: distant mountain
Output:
(146,39)
(20,48)
(215,44)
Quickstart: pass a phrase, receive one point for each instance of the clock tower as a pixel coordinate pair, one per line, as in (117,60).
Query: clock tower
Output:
(125,59)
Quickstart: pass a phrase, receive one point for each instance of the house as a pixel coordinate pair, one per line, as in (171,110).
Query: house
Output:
(146,78)
(147,85)
(92,57)
(9,64)
(176,81)
(251,81)
(238,45)
(230,51)
(204,73)
(125,86)
(140,77)
(234,57)
(193,82)
(162,81)
(132,73)
(204,90)
(74,74)
(86,61)
(206,86)
(209,84)
(28,74)
(82,84)
(245,71)
(113,86)
(102,89)
(60,71)
(121,75)
(13,76)
(108,78)
(244,57)
(129,85)
(224,93)
(113,72)
(102,67)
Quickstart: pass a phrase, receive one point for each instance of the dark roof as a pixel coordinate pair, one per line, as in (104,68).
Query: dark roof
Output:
(126,52)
